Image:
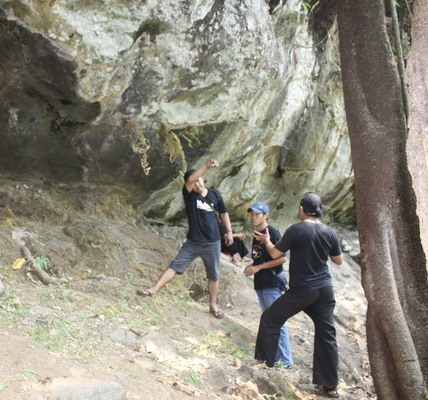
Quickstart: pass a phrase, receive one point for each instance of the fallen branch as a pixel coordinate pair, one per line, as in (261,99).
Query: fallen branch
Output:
(35,268)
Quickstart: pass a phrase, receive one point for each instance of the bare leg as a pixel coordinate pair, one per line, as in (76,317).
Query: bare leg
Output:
(235,260)
(213,292)
(166,276)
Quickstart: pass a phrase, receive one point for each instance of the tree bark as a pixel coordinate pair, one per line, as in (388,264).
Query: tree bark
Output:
(393,262)
(417,144)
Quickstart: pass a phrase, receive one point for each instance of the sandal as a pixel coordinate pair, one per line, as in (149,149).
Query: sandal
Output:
(144,293)
(217,313)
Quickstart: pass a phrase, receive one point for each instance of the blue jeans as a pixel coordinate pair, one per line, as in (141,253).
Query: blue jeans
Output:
(266,298)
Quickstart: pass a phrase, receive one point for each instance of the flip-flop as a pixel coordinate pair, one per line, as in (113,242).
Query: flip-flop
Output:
(217,313)
(144,293)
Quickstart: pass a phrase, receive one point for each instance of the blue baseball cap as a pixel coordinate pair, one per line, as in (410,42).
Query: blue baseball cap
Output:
(259,208)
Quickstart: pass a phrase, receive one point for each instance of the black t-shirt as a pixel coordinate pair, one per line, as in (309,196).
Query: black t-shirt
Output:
(202,215)
(310,247)
(265,278)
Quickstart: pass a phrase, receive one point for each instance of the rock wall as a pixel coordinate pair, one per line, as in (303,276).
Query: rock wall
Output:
(138,91)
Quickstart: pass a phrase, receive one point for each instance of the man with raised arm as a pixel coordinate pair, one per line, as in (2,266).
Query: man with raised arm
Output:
(203,208)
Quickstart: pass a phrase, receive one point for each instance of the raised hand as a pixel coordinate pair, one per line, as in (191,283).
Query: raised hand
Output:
(262,237)
(211,163)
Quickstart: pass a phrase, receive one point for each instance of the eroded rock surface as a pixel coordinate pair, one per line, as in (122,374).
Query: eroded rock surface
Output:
(109,91)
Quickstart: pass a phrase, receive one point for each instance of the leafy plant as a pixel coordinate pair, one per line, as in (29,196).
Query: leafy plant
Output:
(173,147)
(193,378)
(217,342)
(305,6)
(27,374)
(43,262)
(308,6)
(173,143)
(10,303)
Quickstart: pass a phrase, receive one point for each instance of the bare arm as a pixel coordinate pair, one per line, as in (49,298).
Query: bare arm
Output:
(228,236)
(337,259)
(199,172)
(253,269)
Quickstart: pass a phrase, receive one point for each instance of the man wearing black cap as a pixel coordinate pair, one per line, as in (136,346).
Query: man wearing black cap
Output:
(311,243)
(203,237)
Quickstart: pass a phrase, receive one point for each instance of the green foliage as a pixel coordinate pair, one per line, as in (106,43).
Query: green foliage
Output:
(213,341)
(193,378)
(43,262)
(190,135)
(26,374)
(173,143)
(10,303)
(309,6)
(173,147)
(305,6)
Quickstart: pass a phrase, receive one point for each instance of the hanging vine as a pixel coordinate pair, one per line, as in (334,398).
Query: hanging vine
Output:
(173,143)
(140,146)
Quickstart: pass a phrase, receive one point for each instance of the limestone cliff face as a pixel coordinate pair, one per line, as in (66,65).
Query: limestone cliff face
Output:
(138,91)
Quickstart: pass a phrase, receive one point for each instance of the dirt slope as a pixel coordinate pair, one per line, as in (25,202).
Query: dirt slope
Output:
(91,325)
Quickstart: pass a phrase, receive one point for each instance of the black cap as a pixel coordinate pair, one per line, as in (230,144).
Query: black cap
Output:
(188,173)
(312,204)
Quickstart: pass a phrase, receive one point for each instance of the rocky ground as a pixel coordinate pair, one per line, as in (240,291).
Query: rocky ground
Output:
(88,336)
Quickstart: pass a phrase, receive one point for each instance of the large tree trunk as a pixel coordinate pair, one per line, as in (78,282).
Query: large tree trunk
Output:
(393,263)
(417,144)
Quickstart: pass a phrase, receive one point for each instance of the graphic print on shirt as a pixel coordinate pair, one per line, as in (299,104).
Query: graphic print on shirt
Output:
(201,205)
(256,252)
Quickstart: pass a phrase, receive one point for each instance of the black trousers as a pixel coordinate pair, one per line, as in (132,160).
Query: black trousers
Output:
(237,247)
(319,305)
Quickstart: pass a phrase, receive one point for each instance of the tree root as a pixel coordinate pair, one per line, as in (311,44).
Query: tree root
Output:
(35,268)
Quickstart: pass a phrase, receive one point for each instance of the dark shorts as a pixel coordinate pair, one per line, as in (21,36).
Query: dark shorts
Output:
(209,252)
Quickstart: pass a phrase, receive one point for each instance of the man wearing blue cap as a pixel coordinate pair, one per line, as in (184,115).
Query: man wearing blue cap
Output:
(311,243)
(269,275)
